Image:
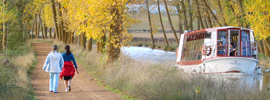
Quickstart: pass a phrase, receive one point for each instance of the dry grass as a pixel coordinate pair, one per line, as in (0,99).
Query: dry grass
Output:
(24,60)
(265,61)
(15,80)
(144,23)
(156,35)
(148,81)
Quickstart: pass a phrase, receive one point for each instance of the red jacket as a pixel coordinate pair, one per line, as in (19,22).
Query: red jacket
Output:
(68,69)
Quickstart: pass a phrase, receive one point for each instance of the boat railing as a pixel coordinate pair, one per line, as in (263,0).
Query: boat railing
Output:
(227,48)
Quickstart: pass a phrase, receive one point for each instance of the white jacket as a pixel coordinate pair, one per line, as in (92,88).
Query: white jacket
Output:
(54,62)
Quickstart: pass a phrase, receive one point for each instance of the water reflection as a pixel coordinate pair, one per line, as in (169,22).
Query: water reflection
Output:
(256,82)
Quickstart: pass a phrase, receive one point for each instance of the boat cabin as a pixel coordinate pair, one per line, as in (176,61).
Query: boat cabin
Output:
(200,45)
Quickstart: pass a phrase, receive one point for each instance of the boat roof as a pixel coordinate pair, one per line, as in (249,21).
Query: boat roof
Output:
(215,28)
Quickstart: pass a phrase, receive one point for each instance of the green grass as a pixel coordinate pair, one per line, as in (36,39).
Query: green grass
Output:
(148,81)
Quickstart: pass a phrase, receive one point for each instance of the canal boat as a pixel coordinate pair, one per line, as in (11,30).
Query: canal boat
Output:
(217,50)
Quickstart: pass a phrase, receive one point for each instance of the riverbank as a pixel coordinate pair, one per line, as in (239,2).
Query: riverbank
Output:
(144,80)
(144,40)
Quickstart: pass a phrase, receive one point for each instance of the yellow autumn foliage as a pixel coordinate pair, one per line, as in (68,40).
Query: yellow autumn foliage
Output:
(259,17)
(93,17)
(47,15)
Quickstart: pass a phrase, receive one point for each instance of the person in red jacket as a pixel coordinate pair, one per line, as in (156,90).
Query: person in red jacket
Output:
(68,70)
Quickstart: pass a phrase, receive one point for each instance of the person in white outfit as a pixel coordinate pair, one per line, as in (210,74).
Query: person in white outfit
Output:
(54,64)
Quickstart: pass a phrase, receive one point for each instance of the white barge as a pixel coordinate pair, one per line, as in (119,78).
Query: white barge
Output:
(217,50)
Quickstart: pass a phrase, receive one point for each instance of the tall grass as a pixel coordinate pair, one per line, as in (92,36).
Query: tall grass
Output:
(15,75)
(148,81)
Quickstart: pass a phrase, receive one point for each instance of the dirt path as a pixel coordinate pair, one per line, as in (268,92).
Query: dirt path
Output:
(82,86)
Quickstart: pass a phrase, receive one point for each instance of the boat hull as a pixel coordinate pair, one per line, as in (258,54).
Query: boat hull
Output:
(242,65)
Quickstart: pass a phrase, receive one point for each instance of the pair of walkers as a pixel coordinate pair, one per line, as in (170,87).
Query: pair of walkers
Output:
(57,63)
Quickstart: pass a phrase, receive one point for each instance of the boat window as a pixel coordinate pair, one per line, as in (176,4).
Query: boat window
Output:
(222,42)
(222,36)
(208,35)
(245,43)
(193,47)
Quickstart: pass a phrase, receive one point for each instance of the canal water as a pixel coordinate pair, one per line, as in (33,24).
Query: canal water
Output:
(148,55)
(258,82)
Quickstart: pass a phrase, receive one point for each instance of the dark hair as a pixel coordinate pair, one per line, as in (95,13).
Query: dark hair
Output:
(54,47)
(67,48)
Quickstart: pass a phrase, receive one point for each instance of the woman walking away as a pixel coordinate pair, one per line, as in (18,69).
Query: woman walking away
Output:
(54,64)
(68,71)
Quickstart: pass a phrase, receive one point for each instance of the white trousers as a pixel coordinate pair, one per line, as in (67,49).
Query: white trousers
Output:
(54,81)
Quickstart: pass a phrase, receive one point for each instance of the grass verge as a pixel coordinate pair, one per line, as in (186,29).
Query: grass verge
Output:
(148,81)
(15,75)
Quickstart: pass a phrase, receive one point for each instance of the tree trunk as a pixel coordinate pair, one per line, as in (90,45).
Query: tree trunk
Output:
(190,16)
(36,33)
(101,43)
(98,46)
(61,25)
(170,21)
(72,38)
(54,34)
(41,27)
(42,31)
(33,28)
(50,32)
(260,49)
(265,47)
(115,33)
(45,31)
(160,19)
(180,17)
(55,18)
(83,40)
(185,14)
(89,44)
(150,24)
(268,46)
(211,12)
(199,13)
(221,12)
(4,41)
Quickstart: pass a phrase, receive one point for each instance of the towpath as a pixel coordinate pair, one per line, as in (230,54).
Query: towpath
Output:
(83,87)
